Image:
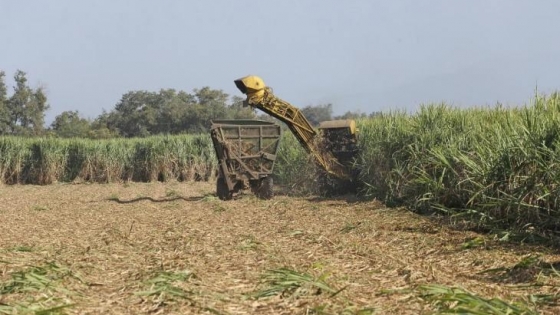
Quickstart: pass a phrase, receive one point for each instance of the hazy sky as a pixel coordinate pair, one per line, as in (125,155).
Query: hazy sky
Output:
(359,55)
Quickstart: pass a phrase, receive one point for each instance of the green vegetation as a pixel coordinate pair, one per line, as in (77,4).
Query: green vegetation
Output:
(48,160)
(497,166)
(43,289)
(23,112)
(494,167)
(491,167)
(163,286)
(288,282)
(458,301)
(137,114)
(294,168)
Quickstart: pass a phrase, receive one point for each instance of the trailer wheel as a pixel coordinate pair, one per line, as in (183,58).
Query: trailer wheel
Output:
(222,189)
(265,190)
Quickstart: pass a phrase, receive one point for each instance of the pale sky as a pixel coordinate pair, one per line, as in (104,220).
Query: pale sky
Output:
(356,54)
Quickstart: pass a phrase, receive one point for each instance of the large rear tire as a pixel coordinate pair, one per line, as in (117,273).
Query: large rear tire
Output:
(265,190)
(222,189)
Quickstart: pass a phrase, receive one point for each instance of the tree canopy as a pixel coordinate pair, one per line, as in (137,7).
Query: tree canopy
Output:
(143,113)
(138,113)
(69,124)
(23,113)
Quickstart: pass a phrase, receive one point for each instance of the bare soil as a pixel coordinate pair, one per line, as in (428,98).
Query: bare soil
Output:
(174,248)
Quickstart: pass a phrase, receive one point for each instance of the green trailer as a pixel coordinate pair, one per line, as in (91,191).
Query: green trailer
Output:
(246,152)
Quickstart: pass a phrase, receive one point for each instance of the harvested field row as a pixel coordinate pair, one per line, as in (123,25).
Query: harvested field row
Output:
(174,248)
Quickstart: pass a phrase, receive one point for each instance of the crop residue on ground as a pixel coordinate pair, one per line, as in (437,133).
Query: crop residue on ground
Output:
(176,248)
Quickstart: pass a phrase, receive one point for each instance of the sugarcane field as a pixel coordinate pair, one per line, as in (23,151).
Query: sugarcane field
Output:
(129,226)
(312,157)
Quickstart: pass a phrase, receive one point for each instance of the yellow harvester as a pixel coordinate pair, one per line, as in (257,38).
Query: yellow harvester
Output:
(333,147)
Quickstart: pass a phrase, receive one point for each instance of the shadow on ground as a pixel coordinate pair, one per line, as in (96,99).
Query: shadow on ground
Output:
(139,199)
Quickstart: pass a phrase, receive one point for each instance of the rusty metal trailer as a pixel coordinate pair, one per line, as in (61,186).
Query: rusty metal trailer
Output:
(246,152)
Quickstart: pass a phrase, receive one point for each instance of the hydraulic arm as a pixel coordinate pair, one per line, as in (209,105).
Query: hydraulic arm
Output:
(260,96)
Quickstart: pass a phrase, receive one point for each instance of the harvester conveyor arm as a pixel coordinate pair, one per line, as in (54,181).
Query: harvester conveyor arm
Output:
(263,99)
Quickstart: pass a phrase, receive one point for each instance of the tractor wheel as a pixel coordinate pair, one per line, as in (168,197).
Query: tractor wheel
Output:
(265,190)
(222,189)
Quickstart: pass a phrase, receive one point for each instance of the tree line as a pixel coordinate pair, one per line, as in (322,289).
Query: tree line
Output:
(137,114)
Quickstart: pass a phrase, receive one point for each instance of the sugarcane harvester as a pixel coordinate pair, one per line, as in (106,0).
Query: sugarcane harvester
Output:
(334,150)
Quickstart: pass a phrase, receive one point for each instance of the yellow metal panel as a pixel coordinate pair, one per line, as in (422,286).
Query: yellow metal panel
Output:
(250,84)
(335,124)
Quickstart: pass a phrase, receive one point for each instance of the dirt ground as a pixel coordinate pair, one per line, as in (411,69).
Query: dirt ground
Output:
(174,248)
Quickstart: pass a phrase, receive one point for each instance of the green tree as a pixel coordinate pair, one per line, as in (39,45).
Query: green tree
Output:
(143,113)
(237,111)
(100,127)
(318,113)
(4,113)
(352,115)
(69,124)
(26,108)
(210,104)
(173,110)
(136,114)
